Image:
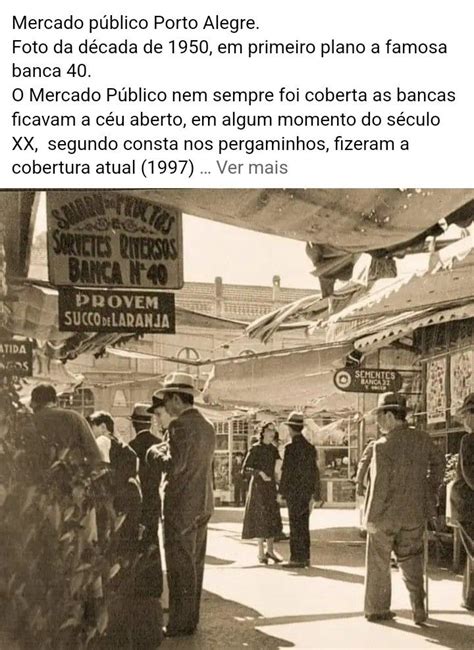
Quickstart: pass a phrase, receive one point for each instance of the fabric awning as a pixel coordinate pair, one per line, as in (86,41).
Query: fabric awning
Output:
(388,330)
(440,287)
(293,378)
(353,220)
(314,312)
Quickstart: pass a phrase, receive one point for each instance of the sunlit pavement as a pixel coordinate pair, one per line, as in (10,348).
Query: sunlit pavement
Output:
(255,606)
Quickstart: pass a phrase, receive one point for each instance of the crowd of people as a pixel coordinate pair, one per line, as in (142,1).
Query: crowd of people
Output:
(166,479)
(153,479)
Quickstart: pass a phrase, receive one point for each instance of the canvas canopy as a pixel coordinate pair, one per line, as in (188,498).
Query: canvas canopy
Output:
(293,378)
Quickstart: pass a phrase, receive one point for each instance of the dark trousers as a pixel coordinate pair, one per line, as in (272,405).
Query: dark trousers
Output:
(148,570)
(240,492)
(185,556)
(300,543)
(467,537)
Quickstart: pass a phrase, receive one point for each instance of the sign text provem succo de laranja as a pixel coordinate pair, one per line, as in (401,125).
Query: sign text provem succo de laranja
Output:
(89,310)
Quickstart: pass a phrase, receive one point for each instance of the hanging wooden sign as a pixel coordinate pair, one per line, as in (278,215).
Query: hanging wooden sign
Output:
(112,239)
(16,358)
(90,310)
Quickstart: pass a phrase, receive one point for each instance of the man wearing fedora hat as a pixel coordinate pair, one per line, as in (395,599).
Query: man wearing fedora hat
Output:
(406,471)
(158,410)
(462,497)
(144,439)
(299,485)
(188,501)
(137,613)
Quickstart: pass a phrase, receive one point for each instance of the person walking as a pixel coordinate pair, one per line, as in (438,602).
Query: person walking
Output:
(462,498)
(262,514)
(406,470)
(299,485)
(188,501)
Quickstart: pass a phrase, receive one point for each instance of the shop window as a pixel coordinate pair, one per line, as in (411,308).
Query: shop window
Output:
(241,428)
(222,442)
(221,472)
(222,428)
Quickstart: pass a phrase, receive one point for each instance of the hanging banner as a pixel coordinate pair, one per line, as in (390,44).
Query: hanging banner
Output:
(436,390)
(89,310)
(16,358)
(367,380)
(110,239)
(461,377)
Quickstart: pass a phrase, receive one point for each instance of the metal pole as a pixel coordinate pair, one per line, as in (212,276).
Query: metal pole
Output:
(425,568)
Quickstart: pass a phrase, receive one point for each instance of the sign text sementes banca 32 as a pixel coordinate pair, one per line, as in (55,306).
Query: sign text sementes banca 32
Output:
(367,380)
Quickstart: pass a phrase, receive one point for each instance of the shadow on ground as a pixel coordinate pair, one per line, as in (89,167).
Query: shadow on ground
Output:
(439,632)
(226,624)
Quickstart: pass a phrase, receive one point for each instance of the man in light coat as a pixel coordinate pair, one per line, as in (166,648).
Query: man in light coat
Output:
(406,471)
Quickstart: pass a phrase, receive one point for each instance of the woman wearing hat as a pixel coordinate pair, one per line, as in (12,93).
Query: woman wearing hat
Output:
(462,497)
(262,515)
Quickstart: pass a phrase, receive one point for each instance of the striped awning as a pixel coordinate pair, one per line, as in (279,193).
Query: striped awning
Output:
(393,328)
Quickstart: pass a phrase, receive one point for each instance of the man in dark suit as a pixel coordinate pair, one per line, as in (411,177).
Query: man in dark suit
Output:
(406,471)
(144,439)
(299,485)
(137,613)
(462,497)
(188,502)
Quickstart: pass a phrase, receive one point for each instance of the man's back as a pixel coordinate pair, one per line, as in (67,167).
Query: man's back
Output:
(189,494)
(65,429)
(406,469)
(300,474)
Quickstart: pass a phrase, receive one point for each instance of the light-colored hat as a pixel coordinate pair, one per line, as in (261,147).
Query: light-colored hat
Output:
(466,407)
(177,382)
(295,419)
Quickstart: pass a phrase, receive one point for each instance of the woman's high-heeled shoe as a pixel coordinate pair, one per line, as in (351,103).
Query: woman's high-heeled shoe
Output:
(263,560)
(273,556)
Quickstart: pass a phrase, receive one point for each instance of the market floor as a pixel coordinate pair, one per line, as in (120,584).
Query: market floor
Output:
(247,605)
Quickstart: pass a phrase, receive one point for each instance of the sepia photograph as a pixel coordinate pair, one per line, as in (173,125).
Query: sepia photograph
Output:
(236,418)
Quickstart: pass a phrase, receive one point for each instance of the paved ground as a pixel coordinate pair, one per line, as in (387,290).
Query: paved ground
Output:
(247,605)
